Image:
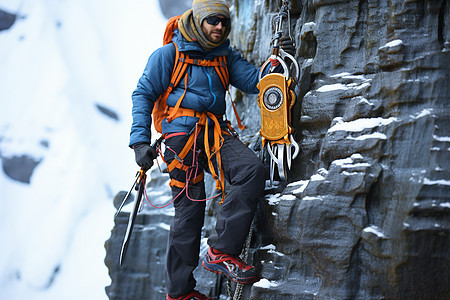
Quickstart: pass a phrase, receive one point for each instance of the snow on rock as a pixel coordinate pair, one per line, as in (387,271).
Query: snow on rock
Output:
(427,181)
(302,185)
(273,199)
(445,139)
(375,135)
(317,177)
(361,124)
(265,284)
(424,112)
(332,87)
(374,230)
(393,43)
(288,197)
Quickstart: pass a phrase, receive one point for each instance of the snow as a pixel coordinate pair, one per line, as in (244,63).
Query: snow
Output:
(427,181)
(59,61)
(301,183)
(288,197)
(307,27)
(361,124)
(273,199)
(271,249)
(393,44)
(310,198)
(317,177)
(332,87)
(340,75)
(423,113)
(348,160)
(375,135)
(375,230)
(441,138)
(445,204)
(268,247)
(265,284)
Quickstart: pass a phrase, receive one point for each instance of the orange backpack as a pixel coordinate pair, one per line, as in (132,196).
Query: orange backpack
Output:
(161,110)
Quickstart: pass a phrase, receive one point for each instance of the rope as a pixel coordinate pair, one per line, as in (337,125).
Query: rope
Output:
(237,295)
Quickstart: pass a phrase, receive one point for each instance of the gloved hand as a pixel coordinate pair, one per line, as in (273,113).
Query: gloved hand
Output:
(144,155)
(287,45)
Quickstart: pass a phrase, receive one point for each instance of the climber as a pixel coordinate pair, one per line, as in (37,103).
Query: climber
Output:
(198,106)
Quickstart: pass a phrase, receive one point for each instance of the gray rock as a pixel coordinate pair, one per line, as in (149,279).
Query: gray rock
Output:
(366,215)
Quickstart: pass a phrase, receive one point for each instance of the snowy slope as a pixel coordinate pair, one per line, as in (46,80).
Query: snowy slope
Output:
(58,63)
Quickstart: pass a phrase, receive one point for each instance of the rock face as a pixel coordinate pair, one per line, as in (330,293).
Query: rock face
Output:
(6,20)
(366,212)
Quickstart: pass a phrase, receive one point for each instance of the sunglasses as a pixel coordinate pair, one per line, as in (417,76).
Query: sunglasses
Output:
(214,20)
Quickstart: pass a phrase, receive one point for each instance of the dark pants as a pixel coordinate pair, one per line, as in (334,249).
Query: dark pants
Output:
(245,174)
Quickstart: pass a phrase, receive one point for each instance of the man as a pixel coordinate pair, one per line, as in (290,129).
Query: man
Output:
(202,34)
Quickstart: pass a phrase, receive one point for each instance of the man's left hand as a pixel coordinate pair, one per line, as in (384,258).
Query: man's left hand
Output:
(287,44)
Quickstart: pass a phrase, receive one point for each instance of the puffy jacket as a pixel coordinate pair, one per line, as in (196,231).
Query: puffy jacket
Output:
(204,89)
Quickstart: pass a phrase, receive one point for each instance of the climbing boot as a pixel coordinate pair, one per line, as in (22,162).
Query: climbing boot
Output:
(232,267)
(192,295)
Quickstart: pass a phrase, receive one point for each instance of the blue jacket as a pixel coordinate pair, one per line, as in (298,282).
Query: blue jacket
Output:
(204,89)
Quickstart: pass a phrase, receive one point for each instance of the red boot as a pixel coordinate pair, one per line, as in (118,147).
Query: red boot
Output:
(232,267)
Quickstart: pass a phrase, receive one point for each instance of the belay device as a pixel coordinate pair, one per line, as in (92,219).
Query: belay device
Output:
(276,98)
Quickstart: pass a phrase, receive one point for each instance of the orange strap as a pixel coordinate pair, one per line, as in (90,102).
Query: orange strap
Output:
(172,115)
(179,184)
(215,150)
(241,127)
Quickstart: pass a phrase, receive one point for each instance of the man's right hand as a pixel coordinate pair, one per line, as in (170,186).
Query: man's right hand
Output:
(144,155)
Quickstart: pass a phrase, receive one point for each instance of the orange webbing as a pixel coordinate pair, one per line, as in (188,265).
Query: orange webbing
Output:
(179,184)
(241,127)
(218,142)
(204,62)
(222,71)
(183,152)
(171,116)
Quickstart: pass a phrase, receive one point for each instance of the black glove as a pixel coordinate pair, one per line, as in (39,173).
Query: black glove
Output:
(144,155)
(287,45)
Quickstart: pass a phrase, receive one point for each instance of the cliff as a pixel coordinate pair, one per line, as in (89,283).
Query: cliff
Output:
(365,213)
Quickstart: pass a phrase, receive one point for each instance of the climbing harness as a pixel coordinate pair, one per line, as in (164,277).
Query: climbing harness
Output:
(276,98)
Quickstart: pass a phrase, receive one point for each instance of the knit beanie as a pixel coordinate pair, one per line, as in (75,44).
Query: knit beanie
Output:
(190,24)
